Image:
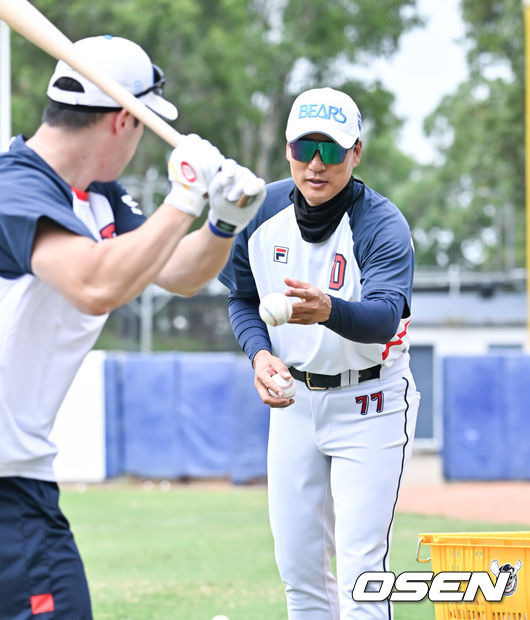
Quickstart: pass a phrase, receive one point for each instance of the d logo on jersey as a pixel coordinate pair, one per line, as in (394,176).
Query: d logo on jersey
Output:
(338,270)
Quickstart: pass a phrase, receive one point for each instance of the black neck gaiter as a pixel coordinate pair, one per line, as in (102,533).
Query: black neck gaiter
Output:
(318,223)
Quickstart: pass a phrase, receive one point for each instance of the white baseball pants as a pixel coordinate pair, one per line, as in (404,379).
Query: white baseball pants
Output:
(336,459)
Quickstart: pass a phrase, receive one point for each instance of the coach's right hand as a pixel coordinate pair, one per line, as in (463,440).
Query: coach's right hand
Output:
(191,168)
(265,365)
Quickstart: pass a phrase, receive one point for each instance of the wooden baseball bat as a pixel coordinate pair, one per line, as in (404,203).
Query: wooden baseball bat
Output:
(28,21)
(23,17)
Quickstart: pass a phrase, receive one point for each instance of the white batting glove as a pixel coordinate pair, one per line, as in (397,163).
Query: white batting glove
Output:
(191,167)
(228,186)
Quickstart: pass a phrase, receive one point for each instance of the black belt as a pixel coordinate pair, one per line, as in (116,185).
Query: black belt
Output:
(314,381)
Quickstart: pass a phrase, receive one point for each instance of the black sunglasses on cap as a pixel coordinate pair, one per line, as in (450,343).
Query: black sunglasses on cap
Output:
(159,80)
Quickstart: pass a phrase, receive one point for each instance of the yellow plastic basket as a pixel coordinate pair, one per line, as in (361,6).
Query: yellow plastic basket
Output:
(475,551)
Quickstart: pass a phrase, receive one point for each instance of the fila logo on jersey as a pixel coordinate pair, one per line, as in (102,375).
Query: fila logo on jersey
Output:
(313,110)
(280,254)
(338,270)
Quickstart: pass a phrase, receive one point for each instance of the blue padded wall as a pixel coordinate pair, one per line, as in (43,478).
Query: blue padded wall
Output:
(208,413)
(486,417)
(171,415)
(517,406)
(251,426)
(151,422)
(113,416)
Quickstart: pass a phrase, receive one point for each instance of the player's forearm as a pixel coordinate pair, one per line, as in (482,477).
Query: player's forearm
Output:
(197,259)
(250,331)
(99,277)
(373,320)
(137,257)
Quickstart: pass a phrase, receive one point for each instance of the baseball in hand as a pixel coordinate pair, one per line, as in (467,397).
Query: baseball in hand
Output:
(287,385)
(275,309)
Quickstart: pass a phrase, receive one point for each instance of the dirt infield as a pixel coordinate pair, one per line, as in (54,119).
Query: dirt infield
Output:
(424,491)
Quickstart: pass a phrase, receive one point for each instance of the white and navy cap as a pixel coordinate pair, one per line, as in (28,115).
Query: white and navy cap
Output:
(122,60)
(327,111)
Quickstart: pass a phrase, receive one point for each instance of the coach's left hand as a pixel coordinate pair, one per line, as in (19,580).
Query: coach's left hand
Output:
(314,305)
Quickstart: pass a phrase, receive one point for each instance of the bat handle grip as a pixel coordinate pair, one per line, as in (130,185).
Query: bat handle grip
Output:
(242,200)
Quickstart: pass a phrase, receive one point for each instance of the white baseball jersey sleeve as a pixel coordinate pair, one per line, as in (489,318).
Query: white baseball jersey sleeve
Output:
(43,338)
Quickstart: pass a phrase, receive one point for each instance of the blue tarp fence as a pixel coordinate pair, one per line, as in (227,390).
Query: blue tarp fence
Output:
(175,415)
(486,417)
(184,415)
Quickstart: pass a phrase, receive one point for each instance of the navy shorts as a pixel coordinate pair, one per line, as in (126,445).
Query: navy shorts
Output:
(41,573)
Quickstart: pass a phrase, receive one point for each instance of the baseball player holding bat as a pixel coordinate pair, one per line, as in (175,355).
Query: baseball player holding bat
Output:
(73,247)
(338,450)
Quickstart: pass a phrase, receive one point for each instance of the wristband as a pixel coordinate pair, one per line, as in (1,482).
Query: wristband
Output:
(221,233)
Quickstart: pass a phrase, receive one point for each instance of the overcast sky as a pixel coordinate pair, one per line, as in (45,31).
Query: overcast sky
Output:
(430,63)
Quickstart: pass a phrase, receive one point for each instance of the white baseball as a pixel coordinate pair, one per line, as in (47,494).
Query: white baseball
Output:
(275,309)
(288,386)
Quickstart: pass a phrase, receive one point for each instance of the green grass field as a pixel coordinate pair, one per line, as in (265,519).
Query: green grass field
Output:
(191,552)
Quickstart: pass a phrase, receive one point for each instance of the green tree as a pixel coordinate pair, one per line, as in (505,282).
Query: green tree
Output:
(235,66)
(469,209)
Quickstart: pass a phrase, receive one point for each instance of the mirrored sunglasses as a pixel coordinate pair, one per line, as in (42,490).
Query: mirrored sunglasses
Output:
(330,152)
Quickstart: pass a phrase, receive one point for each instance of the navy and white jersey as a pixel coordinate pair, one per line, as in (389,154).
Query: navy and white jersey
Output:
(43,338)
(369,251)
